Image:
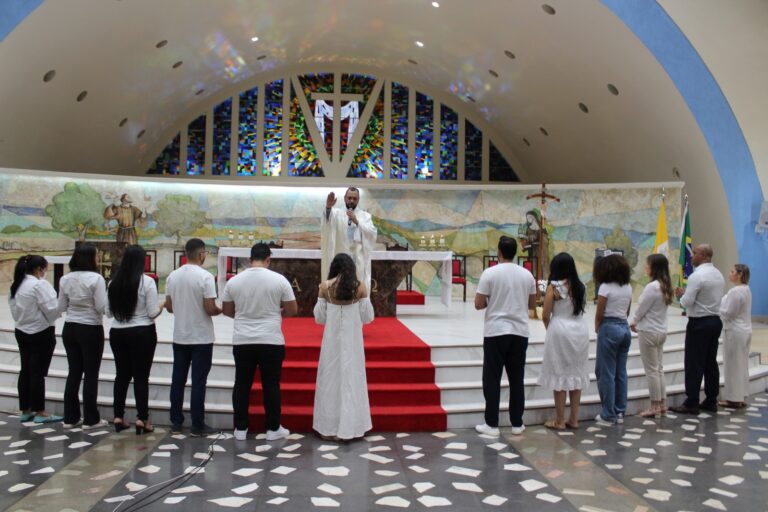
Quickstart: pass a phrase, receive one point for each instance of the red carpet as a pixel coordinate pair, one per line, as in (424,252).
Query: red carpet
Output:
(412,298)
(401,378)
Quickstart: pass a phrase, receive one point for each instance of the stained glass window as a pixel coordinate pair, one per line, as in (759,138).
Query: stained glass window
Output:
(500,170)
(321,83)
(398,165)
(196,147)
(351,110)
(168,160)
(424,136)
(473,152)
(303,156)
(449,143)
(222,137)
(369,160)
(247,129)
(273,128)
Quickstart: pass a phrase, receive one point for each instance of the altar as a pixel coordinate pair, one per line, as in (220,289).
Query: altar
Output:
(302,269)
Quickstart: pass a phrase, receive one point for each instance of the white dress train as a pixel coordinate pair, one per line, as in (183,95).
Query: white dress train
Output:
(341,391)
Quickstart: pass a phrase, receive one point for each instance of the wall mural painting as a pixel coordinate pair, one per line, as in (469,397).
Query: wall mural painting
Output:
(48,216)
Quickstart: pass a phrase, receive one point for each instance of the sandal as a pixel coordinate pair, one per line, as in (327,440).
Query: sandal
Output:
(551,424)
(572,426)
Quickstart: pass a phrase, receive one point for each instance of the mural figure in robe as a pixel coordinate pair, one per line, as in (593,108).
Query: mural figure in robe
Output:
(535,240)
(128,217)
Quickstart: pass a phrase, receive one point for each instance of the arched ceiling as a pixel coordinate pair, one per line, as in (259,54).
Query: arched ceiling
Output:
(108,48)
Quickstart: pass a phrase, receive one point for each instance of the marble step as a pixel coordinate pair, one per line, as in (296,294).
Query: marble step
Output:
(537,411)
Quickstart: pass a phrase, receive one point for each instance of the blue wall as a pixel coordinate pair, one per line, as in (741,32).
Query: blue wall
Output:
(653,26)
(13,12)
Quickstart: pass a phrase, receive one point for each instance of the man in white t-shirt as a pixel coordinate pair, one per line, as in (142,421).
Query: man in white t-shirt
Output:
(507,292)
(257,299)
(191,296)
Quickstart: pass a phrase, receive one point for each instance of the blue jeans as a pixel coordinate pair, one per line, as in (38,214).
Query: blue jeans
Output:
(199,357)
(613,339)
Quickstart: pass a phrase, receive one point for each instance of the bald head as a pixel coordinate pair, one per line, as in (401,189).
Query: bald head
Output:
(702,253)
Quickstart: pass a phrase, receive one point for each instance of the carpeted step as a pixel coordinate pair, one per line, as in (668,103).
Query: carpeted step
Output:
(381,394)
(393,350)
(376,371)
(406,297)
(384,419)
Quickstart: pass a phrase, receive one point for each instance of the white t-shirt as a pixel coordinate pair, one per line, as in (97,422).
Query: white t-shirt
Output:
(34,308)
(617,299)
(257,294)
(187,286)
(508,287)
(83,297)
(147,306)
(651,312)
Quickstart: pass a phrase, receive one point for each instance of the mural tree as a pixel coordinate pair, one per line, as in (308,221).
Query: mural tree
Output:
(618,239)
(178,215)
(76,209)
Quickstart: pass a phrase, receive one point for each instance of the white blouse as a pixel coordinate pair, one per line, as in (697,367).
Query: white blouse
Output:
(736,309)
(651,312)
(34,308)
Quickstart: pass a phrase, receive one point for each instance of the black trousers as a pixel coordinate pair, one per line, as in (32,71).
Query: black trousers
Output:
(701,335)
(269,359)
(134,350)
(499,353)
(85,346)
(35,351)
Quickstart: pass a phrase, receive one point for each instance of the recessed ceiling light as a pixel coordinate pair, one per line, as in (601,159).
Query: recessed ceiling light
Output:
(543,131)
(178,64)
(527,143)
(509,54)
(161,43)
(81,96)
(199,92)
(254,39)
(49,75)
(140,134)
(493,73)
(122,122)
(419,44)
(435,4)
(548,9)
(261,57)
(584,108)
(412,62)
(614,90)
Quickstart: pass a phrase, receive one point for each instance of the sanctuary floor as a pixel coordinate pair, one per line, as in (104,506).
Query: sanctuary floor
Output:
(710,462)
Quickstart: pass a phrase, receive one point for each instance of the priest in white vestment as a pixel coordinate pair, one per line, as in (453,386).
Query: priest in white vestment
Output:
(349,231)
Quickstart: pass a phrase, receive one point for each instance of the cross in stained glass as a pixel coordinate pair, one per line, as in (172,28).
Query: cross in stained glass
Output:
(342,110)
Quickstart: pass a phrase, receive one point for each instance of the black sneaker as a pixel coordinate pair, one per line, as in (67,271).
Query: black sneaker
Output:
(175,429)
(708,406)
(684,409)
(203,431)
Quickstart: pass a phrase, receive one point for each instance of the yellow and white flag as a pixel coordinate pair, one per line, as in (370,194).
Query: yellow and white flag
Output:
(661,245)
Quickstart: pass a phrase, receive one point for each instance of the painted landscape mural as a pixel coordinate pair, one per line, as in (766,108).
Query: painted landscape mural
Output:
(48,214)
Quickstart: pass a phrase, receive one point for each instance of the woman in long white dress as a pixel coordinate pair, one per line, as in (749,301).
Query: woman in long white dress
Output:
(342,411)
(566,346)
(736,313)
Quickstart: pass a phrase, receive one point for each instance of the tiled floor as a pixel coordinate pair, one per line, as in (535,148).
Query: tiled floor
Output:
(709,462)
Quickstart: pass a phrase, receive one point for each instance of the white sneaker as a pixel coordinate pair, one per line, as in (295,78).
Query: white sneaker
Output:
(620,418)
(274,435)
(603,423)
(98,424)
(72,425)
(240,435)
(516,431)
(485,429)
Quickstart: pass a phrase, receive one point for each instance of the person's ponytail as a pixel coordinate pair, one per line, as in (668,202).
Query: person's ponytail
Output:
(26,265)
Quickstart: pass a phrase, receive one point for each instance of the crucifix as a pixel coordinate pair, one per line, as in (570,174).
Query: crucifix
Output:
(337,112)
(539,234)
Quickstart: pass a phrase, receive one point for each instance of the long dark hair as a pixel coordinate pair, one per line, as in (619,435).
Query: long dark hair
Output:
(659,266)
(26,265)
(83,259)
(563,268)
(123,291)
(346,285)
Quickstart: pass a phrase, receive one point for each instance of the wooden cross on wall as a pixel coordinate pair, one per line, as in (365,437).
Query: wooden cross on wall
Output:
(544,195)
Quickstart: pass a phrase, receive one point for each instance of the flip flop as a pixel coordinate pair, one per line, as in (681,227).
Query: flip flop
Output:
(551,424)
(571,426)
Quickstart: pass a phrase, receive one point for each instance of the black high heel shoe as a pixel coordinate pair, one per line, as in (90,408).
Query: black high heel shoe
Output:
(143,428)
(120,425)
